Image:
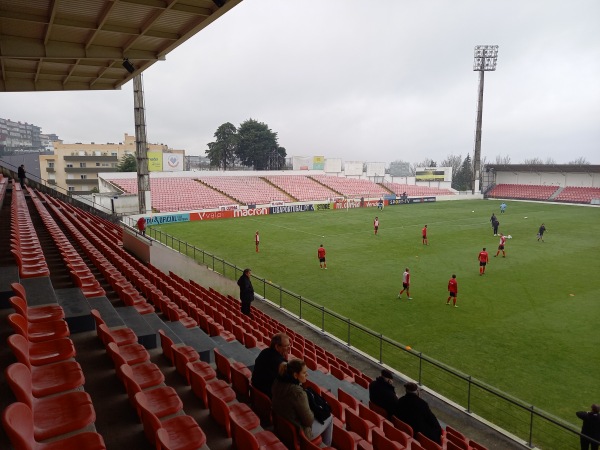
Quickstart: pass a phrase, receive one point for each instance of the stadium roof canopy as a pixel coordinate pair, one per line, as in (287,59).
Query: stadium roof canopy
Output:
(68,45)
(548,168)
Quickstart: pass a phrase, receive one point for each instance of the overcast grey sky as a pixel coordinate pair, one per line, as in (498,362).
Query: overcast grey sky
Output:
(363,81)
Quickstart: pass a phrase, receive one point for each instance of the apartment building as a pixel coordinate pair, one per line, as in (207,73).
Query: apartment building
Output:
(75,167)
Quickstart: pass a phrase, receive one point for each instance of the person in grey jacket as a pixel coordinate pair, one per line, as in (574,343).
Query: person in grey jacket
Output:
(290,402)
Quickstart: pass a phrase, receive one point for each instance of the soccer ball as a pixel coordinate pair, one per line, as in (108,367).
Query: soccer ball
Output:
(472,211)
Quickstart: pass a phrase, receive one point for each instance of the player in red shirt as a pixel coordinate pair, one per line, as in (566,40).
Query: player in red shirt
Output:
(256,240)
(405,284)
(376,225)
(501,246)
(424,233)
(452,291)
(483,260)
(321,256)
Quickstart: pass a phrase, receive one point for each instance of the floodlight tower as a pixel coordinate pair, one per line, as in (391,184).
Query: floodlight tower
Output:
(485,61)
(141,144)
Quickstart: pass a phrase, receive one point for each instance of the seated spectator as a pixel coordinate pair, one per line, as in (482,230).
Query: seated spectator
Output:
(271,362)
(291,403)
(383,393)
(415,411)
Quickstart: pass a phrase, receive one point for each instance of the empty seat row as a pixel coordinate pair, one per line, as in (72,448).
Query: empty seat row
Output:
(47,382)
(24,242)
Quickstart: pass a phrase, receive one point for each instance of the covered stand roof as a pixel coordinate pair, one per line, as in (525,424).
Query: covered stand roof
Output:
(548,168)
(66,45)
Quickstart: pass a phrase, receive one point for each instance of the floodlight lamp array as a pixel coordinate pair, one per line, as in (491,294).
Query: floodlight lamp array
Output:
(486,57)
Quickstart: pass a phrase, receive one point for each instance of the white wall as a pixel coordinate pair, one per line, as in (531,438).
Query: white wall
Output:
(549,178)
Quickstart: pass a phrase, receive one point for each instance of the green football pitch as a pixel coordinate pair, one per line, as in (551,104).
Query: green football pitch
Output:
(529,327)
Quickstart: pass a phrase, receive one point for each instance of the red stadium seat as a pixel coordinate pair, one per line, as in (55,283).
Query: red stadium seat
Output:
(17,420)
(38,332)
(37,314)
(41,353)
(55,415)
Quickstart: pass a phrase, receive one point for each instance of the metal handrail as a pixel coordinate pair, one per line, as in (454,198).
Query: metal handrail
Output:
(550,433)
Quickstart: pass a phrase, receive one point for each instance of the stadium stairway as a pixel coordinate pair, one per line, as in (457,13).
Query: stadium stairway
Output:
(556,194)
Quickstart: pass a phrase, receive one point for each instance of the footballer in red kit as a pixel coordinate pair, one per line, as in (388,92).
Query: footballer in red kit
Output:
(257,240)
(483,260)
(424,233)
(452,291)
(321,256)
(376,224)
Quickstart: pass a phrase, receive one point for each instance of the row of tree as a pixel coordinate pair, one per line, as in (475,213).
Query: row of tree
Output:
(252,144)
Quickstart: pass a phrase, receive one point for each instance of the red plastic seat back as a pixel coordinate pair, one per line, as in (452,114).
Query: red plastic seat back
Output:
(218,410)
(18,377)
(19,324)
(166,344)
(396,435)
(347,399)
(427,443)
(198,385)
(355,423)
(20,348)
(403,426)
(223,365)
(150,422)
(337,409)
(19,290)
(240,383)
(286,431)
(17,420)
(97,317)
(261,404)
(342,439)
(19,305)
(242,438)
(370,415)
(380,442)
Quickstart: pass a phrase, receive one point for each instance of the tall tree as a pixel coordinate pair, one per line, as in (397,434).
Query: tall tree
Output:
(581,161)
(222,152)
(256,143)
(455,162)
(464,178)
(427,162)
(127,164)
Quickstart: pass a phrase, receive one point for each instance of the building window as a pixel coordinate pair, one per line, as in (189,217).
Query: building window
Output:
(50,165)
(83,177)
(71,188)
(82,164)
(69,165)
(113,153)
(97,164)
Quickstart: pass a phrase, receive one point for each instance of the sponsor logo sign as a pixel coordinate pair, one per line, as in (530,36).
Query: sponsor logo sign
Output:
(290,209)
(251,212)
(170,218)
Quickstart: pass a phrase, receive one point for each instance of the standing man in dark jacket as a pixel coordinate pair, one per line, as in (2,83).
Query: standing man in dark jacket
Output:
(382,392)
(246,291)
(21,175)
(590,428)
(415,411)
